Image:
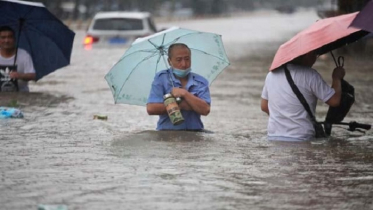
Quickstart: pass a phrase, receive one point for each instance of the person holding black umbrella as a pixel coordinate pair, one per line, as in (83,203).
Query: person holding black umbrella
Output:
(16,67)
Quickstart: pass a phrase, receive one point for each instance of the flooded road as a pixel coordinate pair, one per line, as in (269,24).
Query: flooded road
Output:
(58,154)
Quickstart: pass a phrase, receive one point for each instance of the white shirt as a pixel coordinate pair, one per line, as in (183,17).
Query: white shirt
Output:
(288,120)
(24,65)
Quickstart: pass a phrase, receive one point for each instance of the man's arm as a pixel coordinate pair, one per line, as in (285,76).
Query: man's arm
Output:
(156,109)
(264,106)
(193,102)
(23,76)
(155,104)
(160,108)
(337,76)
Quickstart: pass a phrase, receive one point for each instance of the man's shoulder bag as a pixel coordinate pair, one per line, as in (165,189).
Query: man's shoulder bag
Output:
(319,129)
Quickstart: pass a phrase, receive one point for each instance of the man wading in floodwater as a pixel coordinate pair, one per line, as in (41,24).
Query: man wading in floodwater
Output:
(22,70)
(192,88)
(288,119)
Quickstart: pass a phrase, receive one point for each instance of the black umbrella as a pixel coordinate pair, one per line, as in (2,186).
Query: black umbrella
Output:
(40,33)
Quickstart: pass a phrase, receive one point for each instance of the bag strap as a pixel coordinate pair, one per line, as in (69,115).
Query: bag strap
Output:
(299,94)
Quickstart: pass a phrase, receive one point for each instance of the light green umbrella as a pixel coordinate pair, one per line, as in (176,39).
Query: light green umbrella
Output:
(131,77)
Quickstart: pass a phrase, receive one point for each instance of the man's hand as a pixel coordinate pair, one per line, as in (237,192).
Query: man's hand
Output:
(191,102)
(15,75)
(185,106)
(178,92)
(338,73)
(21,76)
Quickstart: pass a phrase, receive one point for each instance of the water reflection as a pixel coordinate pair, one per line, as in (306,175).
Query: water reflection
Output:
(33,99)
(159,143)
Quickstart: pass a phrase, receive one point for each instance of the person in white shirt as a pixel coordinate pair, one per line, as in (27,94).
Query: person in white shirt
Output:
(288,119)
(25,68)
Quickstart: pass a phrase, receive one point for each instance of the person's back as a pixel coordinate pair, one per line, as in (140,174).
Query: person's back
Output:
(288,119)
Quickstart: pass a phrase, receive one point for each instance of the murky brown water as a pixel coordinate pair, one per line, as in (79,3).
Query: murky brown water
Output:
(58,154)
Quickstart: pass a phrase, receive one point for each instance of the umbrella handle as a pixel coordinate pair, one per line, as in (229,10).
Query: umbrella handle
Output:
(341,60)
(178,99)
(21,22)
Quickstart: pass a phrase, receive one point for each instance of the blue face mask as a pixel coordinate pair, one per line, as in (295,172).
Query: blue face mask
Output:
(181,73)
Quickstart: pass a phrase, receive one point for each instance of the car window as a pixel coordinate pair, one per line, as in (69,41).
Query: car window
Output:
(122,24)
(151,25)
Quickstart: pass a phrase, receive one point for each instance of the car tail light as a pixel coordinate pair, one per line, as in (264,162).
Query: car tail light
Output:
(90,40)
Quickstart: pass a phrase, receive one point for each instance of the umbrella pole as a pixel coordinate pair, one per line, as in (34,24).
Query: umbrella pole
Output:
(21,21)
(178,99)
(340,62)
(333,58)
(165,63)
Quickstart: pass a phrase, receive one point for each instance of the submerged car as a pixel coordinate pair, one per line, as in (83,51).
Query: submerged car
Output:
(118,28)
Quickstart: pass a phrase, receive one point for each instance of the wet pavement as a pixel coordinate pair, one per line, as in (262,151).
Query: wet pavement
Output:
(58,154)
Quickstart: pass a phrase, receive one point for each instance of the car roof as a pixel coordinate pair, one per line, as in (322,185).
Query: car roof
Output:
(138,15)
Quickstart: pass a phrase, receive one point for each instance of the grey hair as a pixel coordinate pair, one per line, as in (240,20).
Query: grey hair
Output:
(176,45)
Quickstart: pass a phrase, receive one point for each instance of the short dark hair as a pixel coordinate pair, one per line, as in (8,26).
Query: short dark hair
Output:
(176,45)
(299,60)
(7,28)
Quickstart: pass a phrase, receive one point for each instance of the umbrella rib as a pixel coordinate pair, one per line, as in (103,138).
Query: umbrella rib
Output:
(146,58)
(163,38)
(160,48)
(154,45)
(156,67)
(26,13)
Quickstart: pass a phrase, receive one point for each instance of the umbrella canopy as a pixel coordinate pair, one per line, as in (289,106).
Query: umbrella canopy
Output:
(40,33)
(324,35)
(131,77)
(364,20)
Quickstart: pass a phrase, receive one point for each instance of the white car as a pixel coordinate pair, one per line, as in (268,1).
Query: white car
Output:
(118,28)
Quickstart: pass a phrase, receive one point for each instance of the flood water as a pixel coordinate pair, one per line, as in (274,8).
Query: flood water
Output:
(58,154)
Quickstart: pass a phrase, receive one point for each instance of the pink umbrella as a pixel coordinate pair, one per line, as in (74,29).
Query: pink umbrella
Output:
(324,35)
